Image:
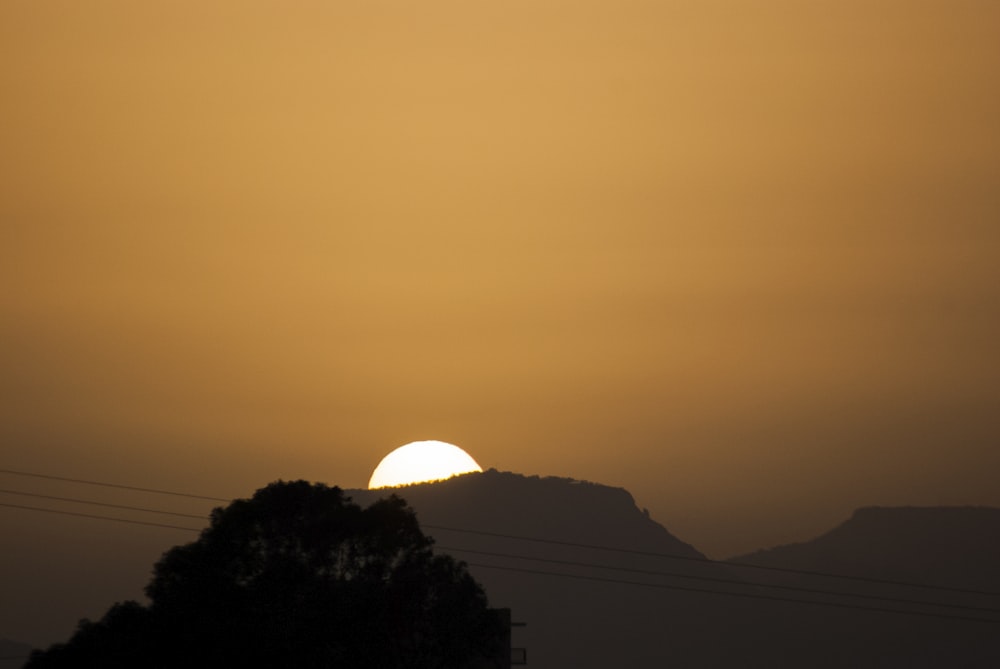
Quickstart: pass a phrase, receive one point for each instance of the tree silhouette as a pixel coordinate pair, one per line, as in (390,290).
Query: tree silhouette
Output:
(297,576)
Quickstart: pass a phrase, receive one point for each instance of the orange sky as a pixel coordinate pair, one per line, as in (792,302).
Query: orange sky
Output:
(739,258)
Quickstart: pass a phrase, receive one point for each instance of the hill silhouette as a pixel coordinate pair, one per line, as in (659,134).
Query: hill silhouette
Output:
(571,621)
(545,507)
(632,615)
(955,547)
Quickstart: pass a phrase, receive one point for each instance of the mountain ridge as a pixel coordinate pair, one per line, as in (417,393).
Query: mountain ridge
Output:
(638,605)
(947,546)
(536,506)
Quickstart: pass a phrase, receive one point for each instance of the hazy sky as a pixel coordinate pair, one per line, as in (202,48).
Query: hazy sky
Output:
(740,258)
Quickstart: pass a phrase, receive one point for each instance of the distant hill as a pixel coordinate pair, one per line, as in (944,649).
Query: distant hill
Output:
(948,546)
(13,655)
(657,602)
(942,547)
(551,508)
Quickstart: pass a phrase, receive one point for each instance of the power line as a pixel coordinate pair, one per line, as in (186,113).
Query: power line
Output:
(113,506)
(114,485)
(521,557)
(745,565)
(90,515)
(670,556)
(715,579)
(596,578)
(744,595)
(661,586)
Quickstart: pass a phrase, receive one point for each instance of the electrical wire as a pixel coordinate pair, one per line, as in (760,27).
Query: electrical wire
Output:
(114,485)
(616,581)
(91,515)
(572,563)
(729,581)
(113,506)
(725,563)
(744,595)
(670,556)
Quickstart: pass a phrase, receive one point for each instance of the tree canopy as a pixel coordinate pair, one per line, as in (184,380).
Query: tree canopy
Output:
(297,576)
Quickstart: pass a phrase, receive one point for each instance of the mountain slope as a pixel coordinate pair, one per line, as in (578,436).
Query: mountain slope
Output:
(657,602)
(955,550)
(577,614)
(549,508)
(948,546)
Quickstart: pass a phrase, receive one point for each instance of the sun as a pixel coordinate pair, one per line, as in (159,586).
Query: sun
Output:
(421,461)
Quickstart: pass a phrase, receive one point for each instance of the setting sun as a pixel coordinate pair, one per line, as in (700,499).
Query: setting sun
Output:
(421,461)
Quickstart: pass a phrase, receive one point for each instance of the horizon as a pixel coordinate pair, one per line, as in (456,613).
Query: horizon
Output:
(52,482)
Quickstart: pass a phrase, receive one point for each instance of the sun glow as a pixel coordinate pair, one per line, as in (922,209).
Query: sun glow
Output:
(421,461)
